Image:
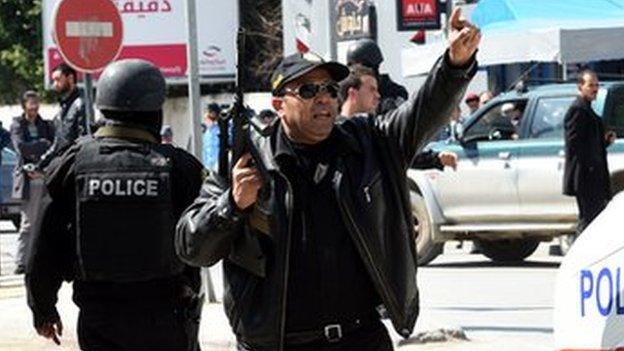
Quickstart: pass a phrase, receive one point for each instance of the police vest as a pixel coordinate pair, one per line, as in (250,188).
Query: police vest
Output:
(125,222)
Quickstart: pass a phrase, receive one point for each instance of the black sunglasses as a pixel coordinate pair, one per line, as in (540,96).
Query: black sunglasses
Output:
(310,90)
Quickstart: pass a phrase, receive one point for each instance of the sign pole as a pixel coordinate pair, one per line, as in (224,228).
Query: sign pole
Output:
(447,16)
(333,37)
(195,113)
(88,80)
(193,79)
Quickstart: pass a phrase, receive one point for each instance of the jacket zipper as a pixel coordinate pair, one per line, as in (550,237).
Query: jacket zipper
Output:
(367,188)
(282,333)
(367,194)
(360,241)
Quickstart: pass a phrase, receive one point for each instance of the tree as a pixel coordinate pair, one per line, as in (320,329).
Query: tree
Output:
(263,21)
(21,59)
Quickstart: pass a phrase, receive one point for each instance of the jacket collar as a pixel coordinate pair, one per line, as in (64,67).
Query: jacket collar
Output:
(341,142)
(24,121)
(271,148)
(126,132)
(583,102)
(69,98)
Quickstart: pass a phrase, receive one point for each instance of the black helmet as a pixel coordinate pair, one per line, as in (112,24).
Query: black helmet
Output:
(365,52)
(131,85)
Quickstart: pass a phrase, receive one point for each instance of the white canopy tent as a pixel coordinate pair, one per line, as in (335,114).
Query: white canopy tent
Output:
(533,40)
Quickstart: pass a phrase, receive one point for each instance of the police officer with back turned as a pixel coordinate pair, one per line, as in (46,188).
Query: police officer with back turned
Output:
(110,227)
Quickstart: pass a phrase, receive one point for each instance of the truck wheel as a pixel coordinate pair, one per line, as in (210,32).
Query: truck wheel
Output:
(512,250)
(426,248)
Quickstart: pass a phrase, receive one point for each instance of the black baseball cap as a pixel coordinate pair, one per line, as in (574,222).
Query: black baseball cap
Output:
(296,65)
(213,107)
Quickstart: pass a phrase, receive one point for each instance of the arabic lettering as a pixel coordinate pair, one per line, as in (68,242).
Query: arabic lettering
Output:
(166,6)
(144,7)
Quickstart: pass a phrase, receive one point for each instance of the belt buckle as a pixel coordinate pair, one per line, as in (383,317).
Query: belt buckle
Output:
(333,332)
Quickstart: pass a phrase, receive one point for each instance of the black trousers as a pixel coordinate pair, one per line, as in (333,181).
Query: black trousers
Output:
(124,327)
(590,204)
(373,337)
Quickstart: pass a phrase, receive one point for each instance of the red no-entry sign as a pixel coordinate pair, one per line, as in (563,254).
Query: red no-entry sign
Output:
(88,33)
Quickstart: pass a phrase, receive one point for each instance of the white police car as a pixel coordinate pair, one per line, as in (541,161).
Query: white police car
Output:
(589,293)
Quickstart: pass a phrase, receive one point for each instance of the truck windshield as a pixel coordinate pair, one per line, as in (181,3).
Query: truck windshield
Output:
(599,104)
(548,117)
(613,108)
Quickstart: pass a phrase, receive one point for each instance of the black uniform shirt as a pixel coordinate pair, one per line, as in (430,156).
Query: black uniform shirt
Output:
(327,280)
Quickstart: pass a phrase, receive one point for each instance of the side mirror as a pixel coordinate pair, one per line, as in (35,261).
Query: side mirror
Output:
(495,134)
(457,132)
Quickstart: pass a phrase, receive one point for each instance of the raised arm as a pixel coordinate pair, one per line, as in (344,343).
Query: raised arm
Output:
(418,120)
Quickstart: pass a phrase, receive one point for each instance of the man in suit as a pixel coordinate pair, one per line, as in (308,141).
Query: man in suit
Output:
(586,174)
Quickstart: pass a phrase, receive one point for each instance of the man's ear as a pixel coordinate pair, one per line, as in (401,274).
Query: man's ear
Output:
(277,102)
(352,93)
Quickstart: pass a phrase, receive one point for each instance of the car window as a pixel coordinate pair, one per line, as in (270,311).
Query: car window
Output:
(497,122)
(598,105)
(547,122)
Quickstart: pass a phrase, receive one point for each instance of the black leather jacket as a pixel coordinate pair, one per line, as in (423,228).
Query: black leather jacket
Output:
(392,94)
(372,192)
(70,124)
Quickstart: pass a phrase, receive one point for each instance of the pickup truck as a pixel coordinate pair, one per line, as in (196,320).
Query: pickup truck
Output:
(506,193)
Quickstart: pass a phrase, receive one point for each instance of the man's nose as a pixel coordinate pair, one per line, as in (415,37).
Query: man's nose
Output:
(323,96)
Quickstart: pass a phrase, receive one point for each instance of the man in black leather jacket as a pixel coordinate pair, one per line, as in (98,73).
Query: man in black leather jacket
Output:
(318,230)
(71,121)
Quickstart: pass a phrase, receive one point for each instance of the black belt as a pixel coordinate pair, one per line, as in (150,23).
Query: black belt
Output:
(332,332)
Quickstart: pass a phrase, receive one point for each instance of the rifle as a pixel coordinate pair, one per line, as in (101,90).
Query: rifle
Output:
(235,115)
(241,119)
(239,112)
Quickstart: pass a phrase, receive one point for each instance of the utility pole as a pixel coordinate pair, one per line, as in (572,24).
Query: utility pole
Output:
(193,79)
(195,111)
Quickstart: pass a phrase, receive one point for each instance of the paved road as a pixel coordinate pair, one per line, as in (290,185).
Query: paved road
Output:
(8,238)
(498,307)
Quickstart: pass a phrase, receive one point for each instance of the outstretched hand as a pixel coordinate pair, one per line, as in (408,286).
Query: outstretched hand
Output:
(51,330)
(464,38)
(448,159)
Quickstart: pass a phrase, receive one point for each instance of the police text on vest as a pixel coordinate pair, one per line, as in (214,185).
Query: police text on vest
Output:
(123,187)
